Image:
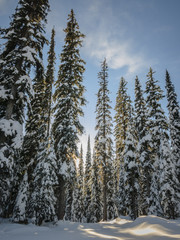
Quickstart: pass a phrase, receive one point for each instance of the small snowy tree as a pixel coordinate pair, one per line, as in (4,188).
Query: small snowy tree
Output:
(111,207)
(87,184)
(20,208)
(69,187)
(78,201)
(168,181)
(42,203)
(96,201)
(120,194)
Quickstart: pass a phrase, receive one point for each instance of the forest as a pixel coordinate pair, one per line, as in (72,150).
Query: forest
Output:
(134,166)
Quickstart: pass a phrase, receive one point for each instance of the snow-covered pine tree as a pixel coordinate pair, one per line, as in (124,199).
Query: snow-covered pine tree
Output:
(96,199)
(49,80)
(34,130)
(103,136)
(120,193)
(122,107)
(143,149)
(168,180)
(78,201)
(23,48)
(121,123)
(87,184)
(131,172)
(157,124)
(140,110)
(68,107)
(174,128)
(174,123)
(42,202)
(20,207)
(111,207)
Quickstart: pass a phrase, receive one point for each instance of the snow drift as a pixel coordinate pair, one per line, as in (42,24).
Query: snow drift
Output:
(143,228)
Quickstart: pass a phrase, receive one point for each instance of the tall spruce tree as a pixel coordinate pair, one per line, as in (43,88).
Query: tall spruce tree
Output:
(157,124)
(68,107)
(174,128)
(87,184)
(121,124)
(104,133)
(23,49)
(49,80)
(143,149)
(174,123)
(122,107)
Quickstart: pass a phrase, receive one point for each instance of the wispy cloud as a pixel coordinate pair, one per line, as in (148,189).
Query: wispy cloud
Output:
(107,39)
(106,33)
(118,53)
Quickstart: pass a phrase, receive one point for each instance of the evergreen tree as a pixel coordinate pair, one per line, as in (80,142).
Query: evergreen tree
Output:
(121,124)
(131,175)
(42,203)
(168,181)
(69,187)
(49,81)
(157,124)
(23,48)
(103,136)
(111,208)
(87,184)
(143,148)
(35,124)
(35,136)
(140,110)
(174,123)
(40,168)
(96,201)
(120,193)
(69,100)
(78,201)
(20,208)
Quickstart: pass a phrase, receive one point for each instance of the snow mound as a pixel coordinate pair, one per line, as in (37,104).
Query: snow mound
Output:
(143,228)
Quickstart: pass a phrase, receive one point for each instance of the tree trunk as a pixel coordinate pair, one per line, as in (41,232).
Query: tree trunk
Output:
(61,198)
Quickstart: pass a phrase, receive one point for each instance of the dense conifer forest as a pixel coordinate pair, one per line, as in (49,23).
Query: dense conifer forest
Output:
(133,168)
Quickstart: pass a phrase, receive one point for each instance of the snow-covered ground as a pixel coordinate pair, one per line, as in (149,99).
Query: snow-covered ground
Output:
(143,228)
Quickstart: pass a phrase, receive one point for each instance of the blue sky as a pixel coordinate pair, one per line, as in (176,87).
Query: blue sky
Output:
(133,35)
